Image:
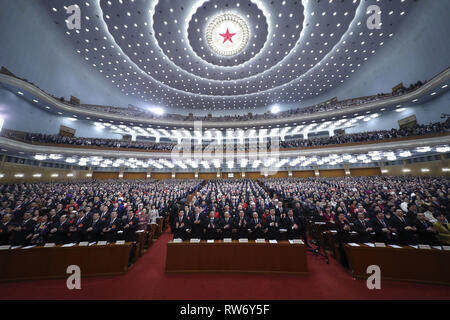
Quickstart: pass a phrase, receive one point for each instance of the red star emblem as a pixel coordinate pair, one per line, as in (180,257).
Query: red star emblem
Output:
(227,36)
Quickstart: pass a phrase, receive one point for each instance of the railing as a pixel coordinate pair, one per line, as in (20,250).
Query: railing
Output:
(72,109)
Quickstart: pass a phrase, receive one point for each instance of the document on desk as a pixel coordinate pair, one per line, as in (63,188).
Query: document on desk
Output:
(29,247)
(6,247)
(243,240)
(260,240)
(210,241)
(352,244)
(273,241)
(195,240)
(177,240)
(120,242)
(101,243)
(372,245)
(68,245)
(437,247)
(296,241)
(227,240)
(395,246)
(83,244)
(446,248)
(92,243)
(415,247)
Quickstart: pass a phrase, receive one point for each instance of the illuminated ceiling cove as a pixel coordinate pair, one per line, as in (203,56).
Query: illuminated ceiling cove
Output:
(220,55)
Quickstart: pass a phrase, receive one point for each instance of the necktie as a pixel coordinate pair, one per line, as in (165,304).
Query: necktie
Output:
(363,223)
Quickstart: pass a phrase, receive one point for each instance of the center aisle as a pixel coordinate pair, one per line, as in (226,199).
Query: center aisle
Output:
(147,280)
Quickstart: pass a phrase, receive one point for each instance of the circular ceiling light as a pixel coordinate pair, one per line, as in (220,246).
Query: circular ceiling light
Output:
(227,34)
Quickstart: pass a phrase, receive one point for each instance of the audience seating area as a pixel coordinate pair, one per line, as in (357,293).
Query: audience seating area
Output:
(325,213)
(373,136)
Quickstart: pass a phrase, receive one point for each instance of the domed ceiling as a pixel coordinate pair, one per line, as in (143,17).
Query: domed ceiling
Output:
(223,54)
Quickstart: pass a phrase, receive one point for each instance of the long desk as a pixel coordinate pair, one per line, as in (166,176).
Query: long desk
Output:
(405,263)
(235,256)
(52,262)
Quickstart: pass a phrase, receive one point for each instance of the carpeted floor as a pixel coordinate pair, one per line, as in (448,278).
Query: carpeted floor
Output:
(147,280)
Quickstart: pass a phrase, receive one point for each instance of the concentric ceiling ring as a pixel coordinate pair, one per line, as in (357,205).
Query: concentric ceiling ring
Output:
(223,43)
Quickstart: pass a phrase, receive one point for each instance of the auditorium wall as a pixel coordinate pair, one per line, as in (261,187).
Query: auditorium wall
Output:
(10,169)
(19,114)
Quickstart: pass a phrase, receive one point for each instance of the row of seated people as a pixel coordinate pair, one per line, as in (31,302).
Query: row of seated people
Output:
(321,107)
(358,203)
(418,130)
(395,229)
(208,226)
(74,228)
(86,211)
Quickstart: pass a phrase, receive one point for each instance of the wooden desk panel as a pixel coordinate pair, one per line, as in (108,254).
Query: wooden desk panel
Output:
(405,264)
(48,263)
(220,256)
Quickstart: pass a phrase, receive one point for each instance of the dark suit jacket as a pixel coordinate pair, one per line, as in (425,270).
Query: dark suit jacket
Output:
(256,228)
(19,237)
(272,231)
(180,230)
(226,228)
(406,237)
(360,227)
(288,225)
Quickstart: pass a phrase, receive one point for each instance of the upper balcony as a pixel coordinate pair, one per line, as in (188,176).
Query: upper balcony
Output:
(337,111)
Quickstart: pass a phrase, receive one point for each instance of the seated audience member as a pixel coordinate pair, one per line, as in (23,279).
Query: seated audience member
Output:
(77,230)
(272,225)
(41,230)
(292,225)
(210,226)
(424,229)
(343,228)
(22,232)
(59,231)
(181,226)
(196,224)
(443,229)
(111,227)
(363,228)
(406,232)
(94,230)
(241,225)
(143,218)
(5,229)
(226,226)
(256,227)
(129,226)
(383,231)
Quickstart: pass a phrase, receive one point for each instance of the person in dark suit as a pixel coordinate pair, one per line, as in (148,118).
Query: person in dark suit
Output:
(58,232)
(343,228)
(95,228)
(22,233)
(383,231)
(256,227)
(272,225)
(292,225)
(425,231)
(5,229)
(112,226)
(196,224)
(180,225)
(41,231)
(130,225)
(226,226)
(403,228)
(210,227)
(363,228)
(77,231)
(241,225)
